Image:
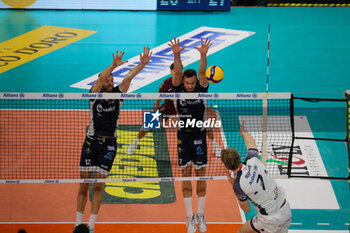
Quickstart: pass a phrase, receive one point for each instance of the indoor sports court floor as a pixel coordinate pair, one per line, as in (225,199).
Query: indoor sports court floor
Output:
(309,56)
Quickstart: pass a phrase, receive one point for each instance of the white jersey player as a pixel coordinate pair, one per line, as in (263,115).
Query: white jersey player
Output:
(252,182)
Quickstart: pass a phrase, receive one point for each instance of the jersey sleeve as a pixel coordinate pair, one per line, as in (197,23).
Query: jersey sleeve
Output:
(166,84)
(202,89)
(161,87)
(177,88)
(237,188)
(252,153)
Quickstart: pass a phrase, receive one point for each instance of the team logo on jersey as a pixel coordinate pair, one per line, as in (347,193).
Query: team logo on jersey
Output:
(151,120)
(199,150)
(109,155)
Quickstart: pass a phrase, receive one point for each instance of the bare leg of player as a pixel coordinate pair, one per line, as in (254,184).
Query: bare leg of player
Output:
(201,192)
(82,198)
(133,145)
(96,201)
(187,193)
(246,228)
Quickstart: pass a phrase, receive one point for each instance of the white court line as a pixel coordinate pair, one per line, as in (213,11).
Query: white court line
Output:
(316,231)
(228,223)
(296,223)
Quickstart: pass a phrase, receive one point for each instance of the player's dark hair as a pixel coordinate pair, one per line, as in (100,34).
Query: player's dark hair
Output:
(22,231)
(230,157)
(189,73)
(81,228)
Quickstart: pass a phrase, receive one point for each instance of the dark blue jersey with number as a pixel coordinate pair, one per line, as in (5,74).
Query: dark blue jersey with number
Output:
(190,110)
(104,115)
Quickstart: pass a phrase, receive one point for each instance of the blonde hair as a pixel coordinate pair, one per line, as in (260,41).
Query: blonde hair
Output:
(231,158)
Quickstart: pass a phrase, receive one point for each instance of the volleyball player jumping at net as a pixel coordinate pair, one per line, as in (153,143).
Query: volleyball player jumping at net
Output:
(252,182)
(192,143)
(168,111)
(99,148)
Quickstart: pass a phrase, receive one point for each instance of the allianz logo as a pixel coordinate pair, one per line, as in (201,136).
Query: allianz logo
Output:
(88,95)
(49,95)
(52,95)
(10,95)
(244,95)
(127,95)
(167,95)
(201,95)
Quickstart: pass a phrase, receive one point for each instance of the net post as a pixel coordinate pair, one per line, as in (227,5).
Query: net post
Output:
(264,130)
(347,96)
(264,123)
(290,157)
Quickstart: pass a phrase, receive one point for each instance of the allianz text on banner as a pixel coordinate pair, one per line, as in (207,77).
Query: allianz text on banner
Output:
(82,5)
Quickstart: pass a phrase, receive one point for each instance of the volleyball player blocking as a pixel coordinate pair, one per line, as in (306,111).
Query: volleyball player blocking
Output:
(167,109)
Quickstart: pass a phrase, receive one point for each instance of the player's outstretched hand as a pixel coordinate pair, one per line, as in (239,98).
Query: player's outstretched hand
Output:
(117,59)
(204,46)
(175,46)
(242,129)
(146,55)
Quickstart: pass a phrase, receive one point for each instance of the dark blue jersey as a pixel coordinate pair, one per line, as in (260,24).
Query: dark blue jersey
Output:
(104,115)
(190,110)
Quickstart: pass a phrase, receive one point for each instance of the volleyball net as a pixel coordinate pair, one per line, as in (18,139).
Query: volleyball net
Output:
(42,134)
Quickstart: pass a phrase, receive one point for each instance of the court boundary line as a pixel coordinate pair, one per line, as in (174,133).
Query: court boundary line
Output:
(223,223)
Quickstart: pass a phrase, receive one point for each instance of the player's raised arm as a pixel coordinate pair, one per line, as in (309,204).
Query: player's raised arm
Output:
(117,61)
(175,46)
(248,139)
(144,59)
(156,104)
(203,50)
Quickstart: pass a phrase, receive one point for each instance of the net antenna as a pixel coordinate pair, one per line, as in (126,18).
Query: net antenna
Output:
(264,123)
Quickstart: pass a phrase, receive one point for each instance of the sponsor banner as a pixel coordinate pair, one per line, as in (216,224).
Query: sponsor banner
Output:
(142,164)
(81,5)
(158,66)
(37,43)
(85,95)
(307,161)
